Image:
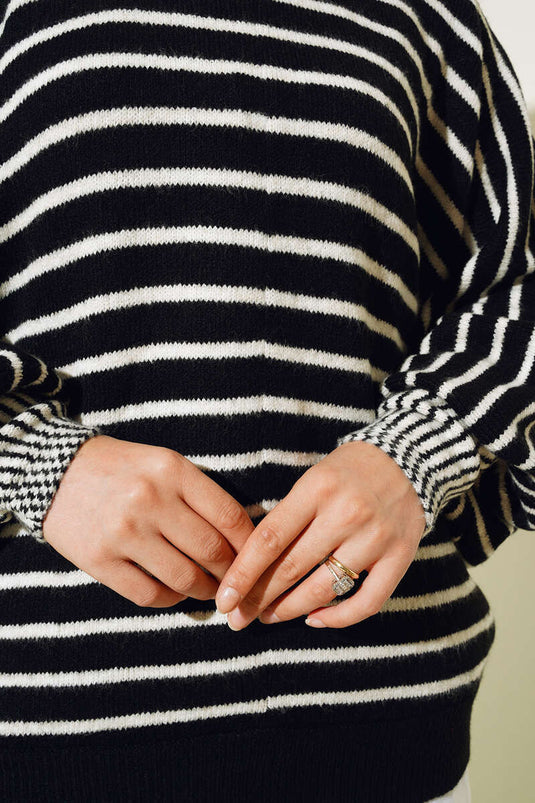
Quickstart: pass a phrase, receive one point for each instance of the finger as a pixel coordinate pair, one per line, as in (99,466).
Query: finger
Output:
(134,584)
(173,568)
(379,585)
(316,589)
(267,541)
(305,552)
(214,504)
(195,537)
(287,605)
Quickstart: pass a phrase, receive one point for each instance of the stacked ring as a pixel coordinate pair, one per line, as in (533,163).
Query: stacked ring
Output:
(342,583)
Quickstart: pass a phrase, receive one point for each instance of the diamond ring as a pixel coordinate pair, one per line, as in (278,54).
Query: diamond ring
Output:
(342,582)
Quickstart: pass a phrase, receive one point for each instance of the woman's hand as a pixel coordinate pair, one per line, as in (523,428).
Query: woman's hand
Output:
(145,521)
(356,503)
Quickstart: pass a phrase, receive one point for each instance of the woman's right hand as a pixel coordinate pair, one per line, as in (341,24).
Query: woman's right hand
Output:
(121,503)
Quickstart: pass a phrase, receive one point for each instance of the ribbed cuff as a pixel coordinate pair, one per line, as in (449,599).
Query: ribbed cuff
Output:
(36,451)
(428,442)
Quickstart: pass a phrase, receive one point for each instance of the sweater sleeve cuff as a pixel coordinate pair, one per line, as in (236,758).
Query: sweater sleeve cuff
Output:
(429,443)
(36,449)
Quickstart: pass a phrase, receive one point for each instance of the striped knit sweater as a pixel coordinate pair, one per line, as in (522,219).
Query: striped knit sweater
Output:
(249,232)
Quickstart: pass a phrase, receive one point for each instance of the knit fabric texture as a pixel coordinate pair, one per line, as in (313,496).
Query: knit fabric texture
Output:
(251,232)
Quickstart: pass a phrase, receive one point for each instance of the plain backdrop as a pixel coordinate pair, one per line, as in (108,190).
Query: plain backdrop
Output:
(502,763)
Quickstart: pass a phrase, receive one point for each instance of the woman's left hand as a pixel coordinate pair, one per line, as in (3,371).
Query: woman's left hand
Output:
(356,503)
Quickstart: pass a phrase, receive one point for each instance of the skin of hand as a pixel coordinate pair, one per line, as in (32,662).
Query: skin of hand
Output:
(356,503)
(124,511)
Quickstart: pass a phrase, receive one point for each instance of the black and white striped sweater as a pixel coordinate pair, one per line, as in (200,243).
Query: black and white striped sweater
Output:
(250,230)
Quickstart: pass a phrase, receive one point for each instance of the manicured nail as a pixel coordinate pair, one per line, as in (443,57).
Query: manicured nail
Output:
(227,600)
(236,620)
(315,622)
(268,617)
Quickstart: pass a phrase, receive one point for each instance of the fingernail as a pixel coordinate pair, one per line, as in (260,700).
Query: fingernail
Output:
(236,620)
(315,622)
(227,600)
(268,617)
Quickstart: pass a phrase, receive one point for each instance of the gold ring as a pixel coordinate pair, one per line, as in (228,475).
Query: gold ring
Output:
(341,566)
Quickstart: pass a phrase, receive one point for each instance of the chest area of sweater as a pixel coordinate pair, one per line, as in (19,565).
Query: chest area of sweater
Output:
(276,132)
(262,96)
(245,172)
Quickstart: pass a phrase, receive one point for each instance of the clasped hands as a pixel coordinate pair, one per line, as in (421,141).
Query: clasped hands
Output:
(152,526)
(356,503)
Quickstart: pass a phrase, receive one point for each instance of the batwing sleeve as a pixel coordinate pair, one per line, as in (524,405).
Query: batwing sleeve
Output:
(39,436)
(458,415)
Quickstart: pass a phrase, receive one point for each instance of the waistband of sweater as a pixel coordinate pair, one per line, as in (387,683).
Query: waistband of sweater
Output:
(406,760)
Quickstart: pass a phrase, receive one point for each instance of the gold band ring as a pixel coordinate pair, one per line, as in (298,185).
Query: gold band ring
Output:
(341,566)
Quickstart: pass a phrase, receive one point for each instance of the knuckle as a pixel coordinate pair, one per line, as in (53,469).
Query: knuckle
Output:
(270,541)
(146,596)
(99,549)
(166,462)
(216,551)
(326,481)
(231,515)
(290,571)
(357,511)
(184,579)
(117,528)
(140,495)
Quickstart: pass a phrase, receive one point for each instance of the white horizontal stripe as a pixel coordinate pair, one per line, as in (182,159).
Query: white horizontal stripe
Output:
(244,405)
(103,627)
(244,663)
(215,235)
(301,187)
(76,578)
(218,350)
(431,600)
(305,125)
(38,579)
(209,293)
(179,619)
(184,115)
(255,707)
(248,461)
(217,66)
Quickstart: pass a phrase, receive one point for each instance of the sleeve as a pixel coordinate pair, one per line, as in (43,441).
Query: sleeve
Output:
(37,438)
(458,415)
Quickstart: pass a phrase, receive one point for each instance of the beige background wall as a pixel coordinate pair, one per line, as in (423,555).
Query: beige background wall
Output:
(502,766)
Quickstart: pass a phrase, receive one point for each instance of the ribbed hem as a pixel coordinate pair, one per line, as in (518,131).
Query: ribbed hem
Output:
(406,760)
(428,442)
(46,443)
